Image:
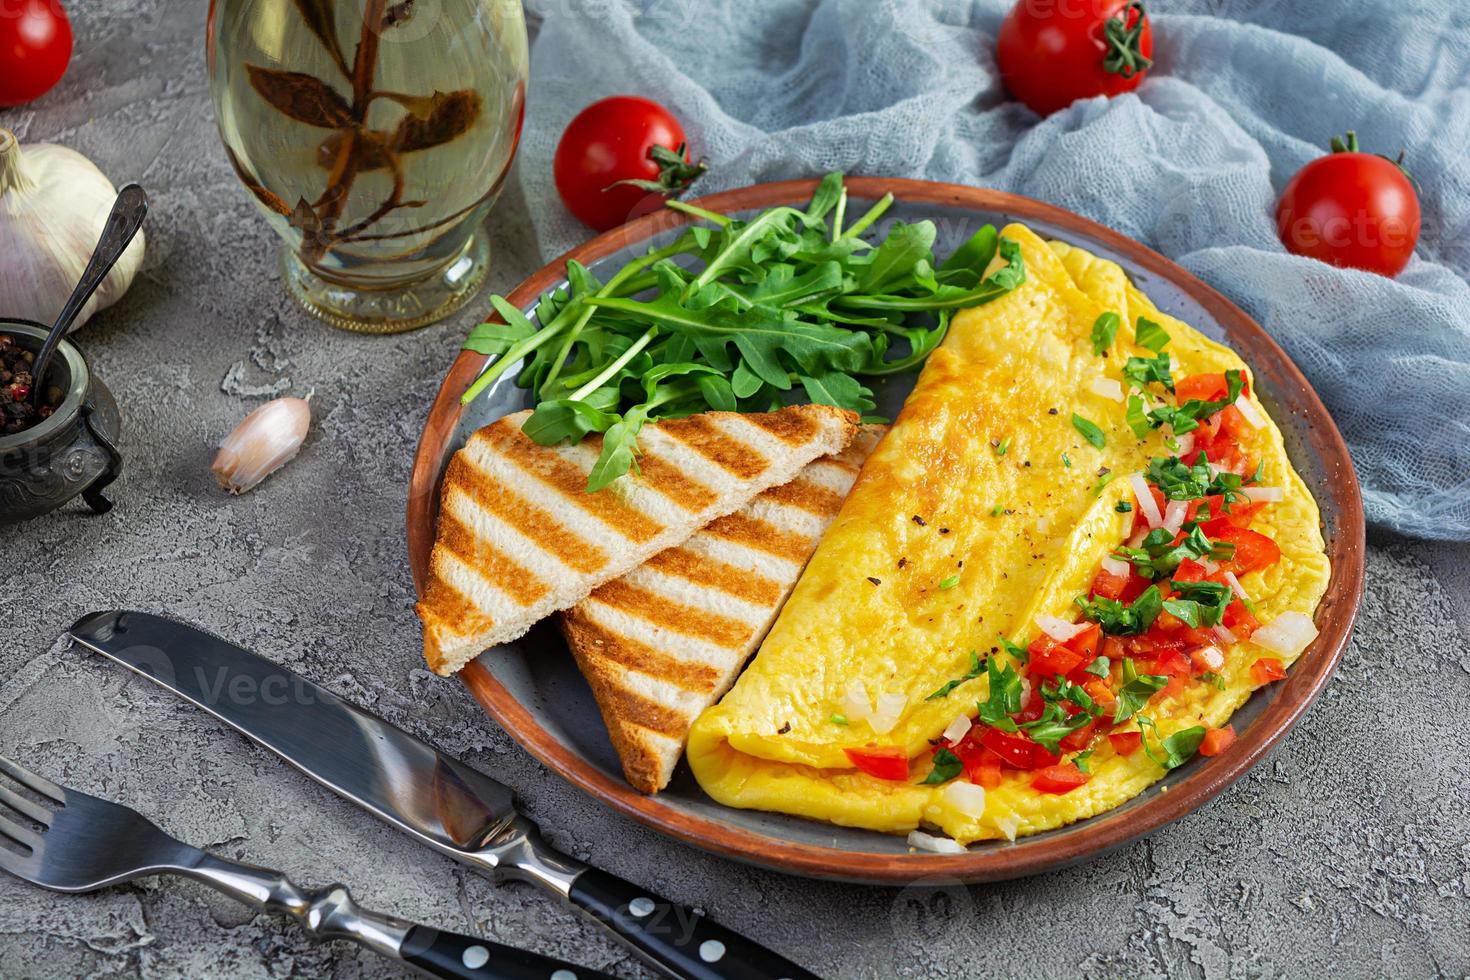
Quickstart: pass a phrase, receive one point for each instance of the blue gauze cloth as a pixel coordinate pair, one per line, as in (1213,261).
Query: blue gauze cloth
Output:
(1242,94)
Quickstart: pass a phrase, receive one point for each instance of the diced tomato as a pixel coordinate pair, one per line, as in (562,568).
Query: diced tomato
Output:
(1206,387)
(1205,662)
(1217,740)
(1108,585)
(1137,586)
(970,749)
(1168,622)
(1196,637)
(1238,620)
(1100,691)
(1126,743)
(1085,644)
(1171,663)
(1049,659)
(1174,688)
(1253,550)
(1059,779)
(1268,669)
(987,772)
(882,761)
(1015,749)
(1041,758)
(1233,424)
(1077,741)
(1113,649)
(1190,570)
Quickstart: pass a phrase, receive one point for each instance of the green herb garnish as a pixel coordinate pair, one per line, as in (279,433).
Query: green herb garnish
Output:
(945,584)
(1002,446)
(1116,619)
(1200,603)
(1149,334)
(1136,690)
(1081,761)
(1099,667)
(1089,431)
(838,719)
(975,670)
(1005,696)
(1158,555)
(947,766)
(1066,461)
(1053,726)
(1104,329)
(1177,749)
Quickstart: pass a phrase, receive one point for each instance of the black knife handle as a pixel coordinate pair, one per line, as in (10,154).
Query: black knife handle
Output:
(448,954)
(675,937)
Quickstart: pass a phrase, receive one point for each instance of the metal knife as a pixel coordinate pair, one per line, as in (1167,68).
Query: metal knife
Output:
(457,810)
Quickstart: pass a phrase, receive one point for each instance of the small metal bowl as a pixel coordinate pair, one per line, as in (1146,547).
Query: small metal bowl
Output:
(73,452)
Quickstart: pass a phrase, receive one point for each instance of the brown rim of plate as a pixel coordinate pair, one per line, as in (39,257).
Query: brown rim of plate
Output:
(1306,679)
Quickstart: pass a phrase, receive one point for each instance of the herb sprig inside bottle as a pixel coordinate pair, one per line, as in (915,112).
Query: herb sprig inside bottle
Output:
(738,315)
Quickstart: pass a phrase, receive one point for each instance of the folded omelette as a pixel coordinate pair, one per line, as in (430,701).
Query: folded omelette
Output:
(989,508)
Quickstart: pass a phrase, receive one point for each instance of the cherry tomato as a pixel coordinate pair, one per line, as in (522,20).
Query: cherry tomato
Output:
(1059,779)
(35,47)
(623,138)
(1217,740)
(1052,54)
(883,761)
(1351,209)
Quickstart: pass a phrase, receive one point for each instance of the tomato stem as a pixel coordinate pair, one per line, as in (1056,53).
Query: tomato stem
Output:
(1125,41)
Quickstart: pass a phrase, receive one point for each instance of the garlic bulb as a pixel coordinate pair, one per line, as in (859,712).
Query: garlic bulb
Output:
(265,441)
(53,204)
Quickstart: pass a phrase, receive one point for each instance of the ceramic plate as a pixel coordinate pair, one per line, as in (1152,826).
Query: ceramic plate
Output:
(532,687)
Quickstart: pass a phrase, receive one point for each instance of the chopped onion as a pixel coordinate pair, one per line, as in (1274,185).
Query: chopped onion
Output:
(1107,388)
(1059,629)
(1287,634)
(1136,539)
(958,729)
(1211,656)
(1009,825)
(1223,635)
(1115,566)
(1025,690)
(1236,587)
(889,709)
(855,703)
(1186,444)
(939,845)
(1174,512)
(1210,567)
(1264,495)
(965,797)
(1147,506)
(1250,413)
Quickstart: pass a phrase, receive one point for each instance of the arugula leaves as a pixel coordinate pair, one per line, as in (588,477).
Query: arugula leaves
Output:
(753,314)
(1116,619)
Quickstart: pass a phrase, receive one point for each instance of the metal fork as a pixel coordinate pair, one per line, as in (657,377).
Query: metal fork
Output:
(85,843)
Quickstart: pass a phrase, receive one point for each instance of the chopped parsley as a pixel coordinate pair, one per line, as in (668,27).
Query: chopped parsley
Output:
(1210,677)
(1005,696)
(1149,334)
(1143,371)
(1002,446)
(1177,749)
(946,584)
(975,671)
(1123,507)
(1116,619)
(1066,461)
(838,719)
(1089,431)
(1137,418)
(1178,480)
(1136,690)
(1102,482)
(947,766)
(1104,329)
(1158,555)
(1020,653)
(997,510)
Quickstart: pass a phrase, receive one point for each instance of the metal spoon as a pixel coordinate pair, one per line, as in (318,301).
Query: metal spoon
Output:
(128,212)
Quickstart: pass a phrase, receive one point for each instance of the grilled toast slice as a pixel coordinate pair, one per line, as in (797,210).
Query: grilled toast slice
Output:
(665,641)
(519,538)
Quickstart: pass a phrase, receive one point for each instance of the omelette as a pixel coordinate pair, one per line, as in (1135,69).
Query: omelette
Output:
(1077,552)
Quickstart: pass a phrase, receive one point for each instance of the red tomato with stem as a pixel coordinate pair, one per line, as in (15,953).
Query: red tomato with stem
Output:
(1052,54)
(35,48)
(1352,210)
(620,158)
(883,761)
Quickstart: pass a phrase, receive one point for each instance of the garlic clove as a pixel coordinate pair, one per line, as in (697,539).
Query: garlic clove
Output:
(262,443)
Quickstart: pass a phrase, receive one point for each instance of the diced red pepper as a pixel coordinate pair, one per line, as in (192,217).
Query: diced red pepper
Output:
(1059,779)
(883,761)
(1268,669)
(1126,743)
(1217,740)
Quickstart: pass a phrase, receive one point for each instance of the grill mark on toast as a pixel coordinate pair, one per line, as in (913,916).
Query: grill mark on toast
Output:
(805,495)
(792,428)
(707,439)
(534,522)
(599,642)
(762,536)
(674,483)
(672,615)
(568,480)
(705,571)
(515,580)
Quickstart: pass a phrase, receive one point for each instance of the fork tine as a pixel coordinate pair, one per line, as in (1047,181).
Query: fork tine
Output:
(27,778)
(20,834)
(14,863)
(25,807)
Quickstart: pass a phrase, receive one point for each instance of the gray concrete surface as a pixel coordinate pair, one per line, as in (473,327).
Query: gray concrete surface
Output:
(1346,852)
